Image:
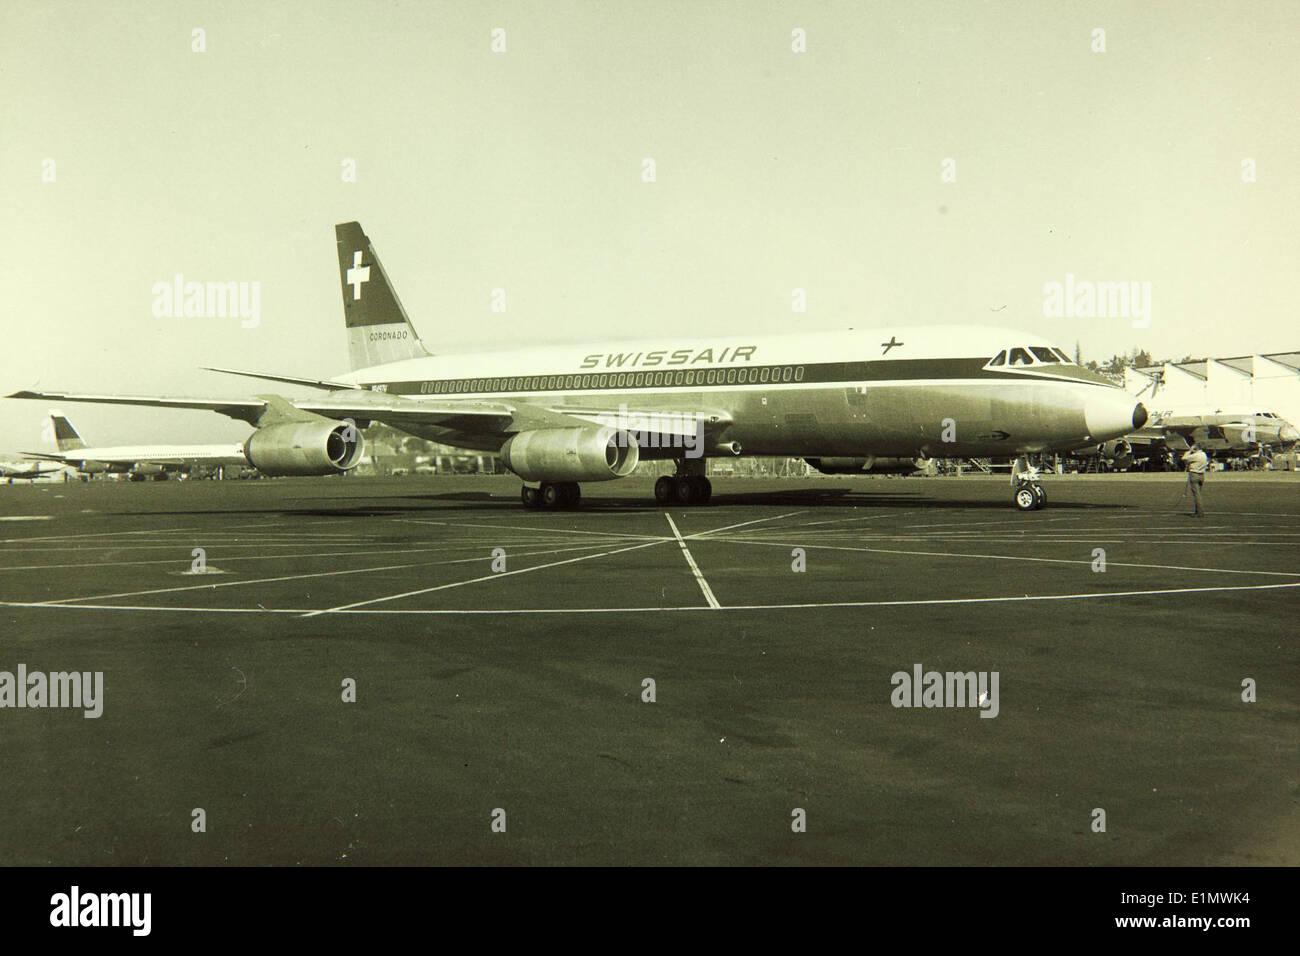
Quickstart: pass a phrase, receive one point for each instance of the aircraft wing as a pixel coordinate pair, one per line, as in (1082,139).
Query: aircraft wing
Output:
(507,417)
(357,405)
(1178,439)
(241,409)
(1176,431)
(1145,437)
(463,415)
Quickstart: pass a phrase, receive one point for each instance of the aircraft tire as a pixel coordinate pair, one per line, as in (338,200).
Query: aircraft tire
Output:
(1024,498)
(529,496)
(664,490)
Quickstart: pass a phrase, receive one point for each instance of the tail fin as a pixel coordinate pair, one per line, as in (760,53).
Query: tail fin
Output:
(378,328)
(65,436)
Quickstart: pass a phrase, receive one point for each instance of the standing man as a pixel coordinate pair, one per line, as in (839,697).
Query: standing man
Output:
(1197,462)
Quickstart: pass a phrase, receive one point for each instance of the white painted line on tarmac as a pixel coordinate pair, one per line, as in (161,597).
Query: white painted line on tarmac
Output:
(701,534)
(543,528)
(695,568)
(487,577)
(297,577)
(173,545)
(1006,557)
(1014,598)
(224,558)
(875,517)
(97,534)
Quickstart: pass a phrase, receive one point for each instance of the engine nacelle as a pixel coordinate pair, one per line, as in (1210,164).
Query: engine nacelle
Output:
(1116,449)
(858,466)
(598,453)
(838,466)
(305,448)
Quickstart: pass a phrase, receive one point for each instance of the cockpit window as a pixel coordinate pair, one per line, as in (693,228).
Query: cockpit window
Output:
(1030,355)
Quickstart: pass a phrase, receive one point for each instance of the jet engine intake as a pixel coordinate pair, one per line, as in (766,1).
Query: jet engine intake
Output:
(596,453)
(305,448)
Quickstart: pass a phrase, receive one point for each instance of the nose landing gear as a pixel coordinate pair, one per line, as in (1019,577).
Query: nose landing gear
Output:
(1029,496)
(1026,493)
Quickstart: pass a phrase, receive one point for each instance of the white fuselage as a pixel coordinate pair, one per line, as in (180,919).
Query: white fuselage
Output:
(940,391)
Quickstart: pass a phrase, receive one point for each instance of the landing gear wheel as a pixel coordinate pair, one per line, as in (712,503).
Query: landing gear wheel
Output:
(1025,499)
(1040,496)
(664,490)
(685,491)
(702,489)
(552,495)
(529,496)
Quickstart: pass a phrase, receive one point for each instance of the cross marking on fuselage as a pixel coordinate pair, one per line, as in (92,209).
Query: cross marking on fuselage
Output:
(357,275)
(890,344)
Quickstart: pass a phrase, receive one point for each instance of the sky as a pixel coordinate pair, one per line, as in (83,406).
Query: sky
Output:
(522,170)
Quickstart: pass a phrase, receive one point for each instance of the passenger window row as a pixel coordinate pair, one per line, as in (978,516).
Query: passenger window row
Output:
(762,375)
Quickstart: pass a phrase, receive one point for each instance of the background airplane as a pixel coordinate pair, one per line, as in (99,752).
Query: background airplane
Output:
(23,471)
(561,415)
(1224,432)
(138,461)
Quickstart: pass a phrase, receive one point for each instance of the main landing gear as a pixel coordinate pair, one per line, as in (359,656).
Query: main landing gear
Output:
(689,486)
(683,490)
(551,495)
(1026,493)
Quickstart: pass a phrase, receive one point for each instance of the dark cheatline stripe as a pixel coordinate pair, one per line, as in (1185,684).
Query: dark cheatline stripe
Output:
(825,373)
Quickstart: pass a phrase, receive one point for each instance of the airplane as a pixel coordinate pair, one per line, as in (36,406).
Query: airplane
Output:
(1224,431)
(13,471)
(137,461)
(559,415)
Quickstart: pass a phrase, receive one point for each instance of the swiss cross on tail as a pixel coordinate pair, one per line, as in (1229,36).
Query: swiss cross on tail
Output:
(377,327)
(892,343)
(357,275)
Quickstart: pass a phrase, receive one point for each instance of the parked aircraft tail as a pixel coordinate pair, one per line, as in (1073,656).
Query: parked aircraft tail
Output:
(378,328)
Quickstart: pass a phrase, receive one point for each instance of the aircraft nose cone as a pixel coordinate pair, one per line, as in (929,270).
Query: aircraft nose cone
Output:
(1288,435)
(1109,413)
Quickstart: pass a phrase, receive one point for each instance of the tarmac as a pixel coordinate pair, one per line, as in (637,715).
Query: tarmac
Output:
(500,659)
